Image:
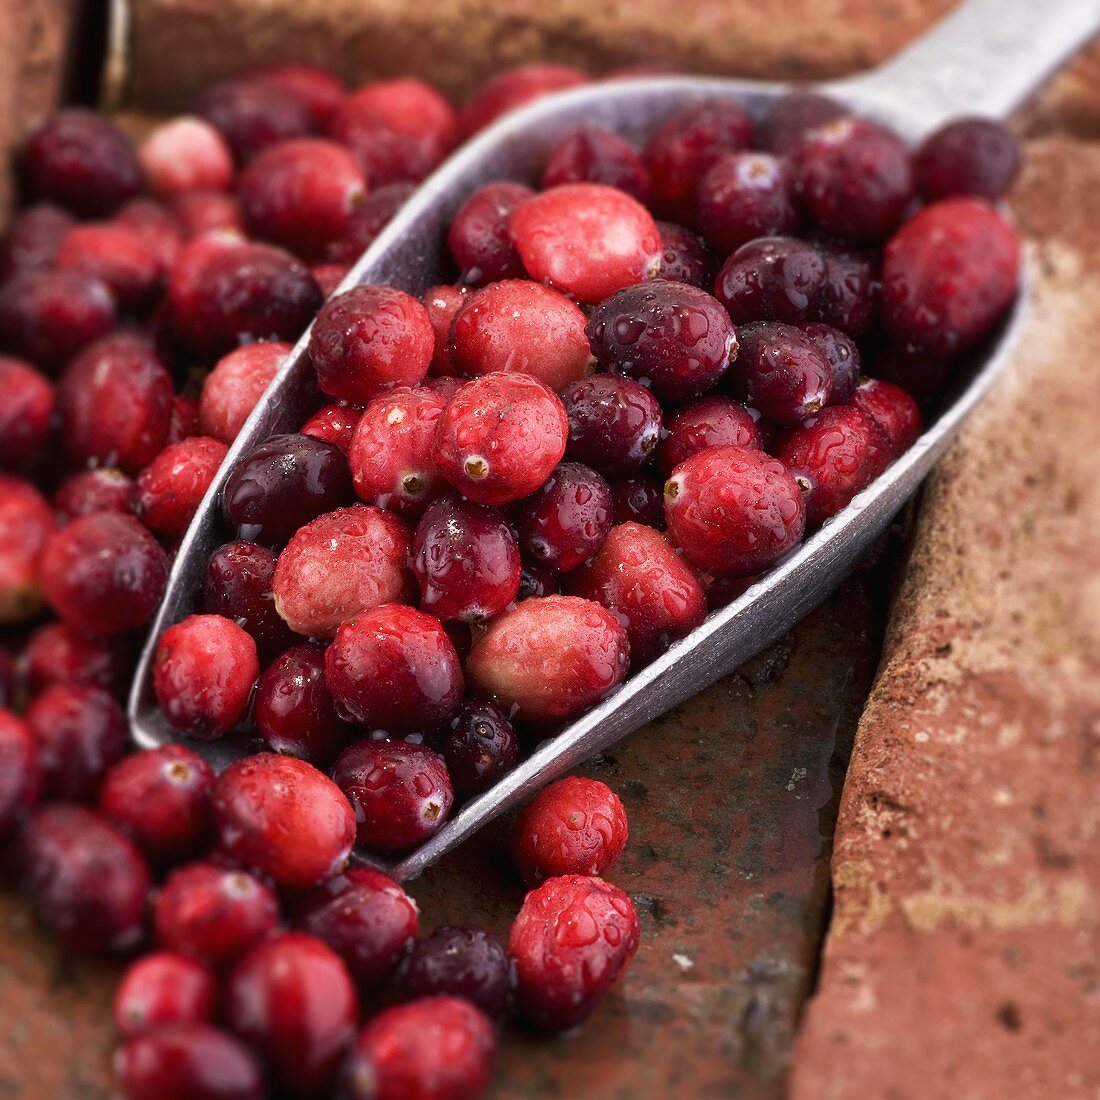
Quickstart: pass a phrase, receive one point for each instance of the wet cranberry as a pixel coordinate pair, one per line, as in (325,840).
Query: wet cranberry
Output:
(282,484)
(685,258)
(320,89)
(401,792)
(744,196)
(443,304)
(511,89)
(565,521)
(707,422)
(82,161)
(591,154)
(587,240)
(479,747)
(465,560)
(27,414)
(26,525)
(948,275)
(571,942)
(368,219)
(968,156)
(104,490)
(200,212)
(733,510)
(781,371)
(291,999)
(793,115)
(639,500)
(848,298)
(342,563)
(334,424)
(551,658)
(162,798)
(536,580)
(771,279)
(253,114)
(614,423)
(366,918)
(478,237)
(162,989)
(294,709)
(461,962)
(892,409)
(119,257)
(34,235)
(673,338)
(232,389)
(283,817)
(19,774)
(214,914)
(87,882)
(842,355)
(171,487)
(103,573)
(186,154)
(184,421)
(188,1062)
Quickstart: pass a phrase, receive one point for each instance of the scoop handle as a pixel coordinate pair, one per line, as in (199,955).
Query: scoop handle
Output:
(984,58)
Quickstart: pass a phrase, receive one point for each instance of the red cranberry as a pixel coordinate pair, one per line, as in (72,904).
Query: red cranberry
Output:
(104,490)
(500,436)
(771,279)
(551,658)
(200,212)
(163,989)
(320,89)
(186,154)
(368,340)
(334,424)
(401,792)
(26,524)
(56,653)
(466,561)
(638,500)
(614,423)
(948,275)
(171,487)
(892,409)
(282,484)
(27,414)
(347,561)
(118,256)
(707,422)
(793,115)
(511,89)
(34,235)
(184,421)
(591,154)
(214,914)
(328,277)
(253,114)
(969,156)
(479,747)
(283,817)
(733,510)
(571,942)
(461,962)
(367,221)
(232,389)
(188,1062)
(366,918)
(848,298)
(443,304)
(782,372)
(841,353)
(685,259)
(586,239)
(565,521)
(87,882)
(744,196)
(82,161)
(479,239)
(19,774)
(103,573)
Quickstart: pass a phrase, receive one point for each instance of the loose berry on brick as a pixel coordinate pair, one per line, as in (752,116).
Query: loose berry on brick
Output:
(367,221)
(841,353)
(27,413)
(511,89)
(892,409)
(461,962)
(186,154)
(564,523)
(334,424)
(322,91)
(771,279)
(171,487)
(162,989)
(237,382)
(710,421)
(443,304)
(103,490)
(848,298)
(32,239)
(200,212)
(253,114)
(639,500)
(479,746)
(782,372)
(743,196)
(969,156)
(56,653)
(118,256)
(26,526)
(793,115)
(614,423)
(478,237)
(591,154)
(685,258)
(19,774)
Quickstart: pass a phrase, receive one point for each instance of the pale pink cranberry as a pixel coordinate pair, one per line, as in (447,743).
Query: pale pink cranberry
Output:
(745,195)
(892,409)
(26,522)
(185,419)
(563,523)
(710,421)
(442,304)
(591,154)
(478,237)
(283,817)
(157,226)
(116,255)
(171,487)
(232,389)
(334,424)
(320,89)
(550,658)
(252,114)
(685,257)
(27,412)
(614,423)
(162,989)
(200,212)
(103,490)
(367,221)
(186,154)
(340,564)
(517,325)
(19,775)
(56,653)
(33,237)
(511,89)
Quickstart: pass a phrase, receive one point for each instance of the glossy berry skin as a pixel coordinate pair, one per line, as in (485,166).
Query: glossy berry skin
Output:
(841,353)
(948,275)
(466,561)
(237,382)
(254,114)
(587,240)
(203,675)
(733,511)
(848,297)
(500,436)
(638,500)
(565,522)
(478,237)
(103,573)
(673,338)
(213,914)
(572,940)
(334,424)
(614,423)
(283,484)
(33,236)
(685,258)
(591,154)
(771,279)
(366,918)
(782,372)
(575,826)
(170,489)
(103,490)
(638,576)
(479,746)
(743,196)
(163,989)
(550,658)
(87,882)
(443,304)
(119,256)
(27,415)
(461,962)
(26,530)
(967,156)
(291,999)
(186,154)
(367,221)
(710,421)
(892,409)
(401,792)
(188,1062)
(341,563)
(19,774)
(511,89)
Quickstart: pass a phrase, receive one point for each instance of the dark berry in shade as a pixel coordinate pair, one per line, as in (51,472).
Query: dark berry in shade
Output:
(478,237)
(34,235)
(461,962)
(771,279)
(793,115)
(848,298)
(57,653)
(282,484)
(319,88)
(591,154)
(842,355)
(781,372)
(711,421)
(968,156)
(685,257)
(564,523)
(27,415)
(892,409)
(367,220)
(538,580)
(639,500)
(479,746)
(744,196)
(20,781)
(614,423)
(253,114)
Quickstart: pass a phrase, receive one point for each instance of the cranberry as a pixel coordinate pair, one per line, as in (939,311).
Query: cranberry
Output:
(969,156)
(283,817)
(500,436)
(184,421)
(368,340)
(637,499)
(19,774)
(294,711)
(368,219)
(586,239)
(781,371)
(158,228)
(771,279)
(321,90)
(685,259)
(282,484)
(461,962)
(103,490)
(733,510)
(214,914)
(466,561)
(848,298)
(163,989)
(591,154)
(328,277)
(794,114)
(200,212)
(87,882)
(188,1062)
(478,237)
(842,355)
(34,235)
(707,422)
(103,573)
(342,563)
(565,521)
(511,89)
(254,114)
(674,338)
(366,918)
(232,389)
(571,942)
(948,275)
(614,423)
(744,196)
(536,580)
(170,489)
(551,658)
(443,304)
(57,654)
(186,154)
(27,415)
(26,524)
(82,161)
(334,424)
(118,256)
(401,792)
(892,409)
(479,747)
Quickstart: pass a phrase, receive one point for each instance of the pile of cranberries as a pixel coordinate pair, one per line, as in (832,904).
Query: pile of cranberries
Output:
(647,379)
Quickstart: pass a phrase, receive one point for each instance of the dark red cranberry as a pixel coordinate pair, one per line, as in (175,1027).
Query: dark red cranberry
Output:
(842,355)
(334,424)
(511,89)
(591,154)
(162,989)
(685,258)
(19,773)
(706,422)
(56,653)
(366,918)
(968,156)
(253,114)
(571,942)
(479,747)
(328,277)
(673,338)
(782,372)
(461,962)
(565,522)
(237,382)
(185,419)
(186,154)
(443,304)
(321,90)
(744,196)
(478,237)
(367,220)
(87,882)
(81,160)
(103,490)
(793,115)
(637,500)
(200,212)
(26,527)
(27,413)
(33,238)
(771,279)
(614,423)
(118,256)
(466,560)
(892,409)
(156,226)
(848,298)
(170,489)
(535,580)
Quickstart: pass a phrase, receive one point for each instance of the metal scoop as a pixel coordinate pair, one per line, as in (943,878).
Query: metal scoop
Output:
(982,59)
